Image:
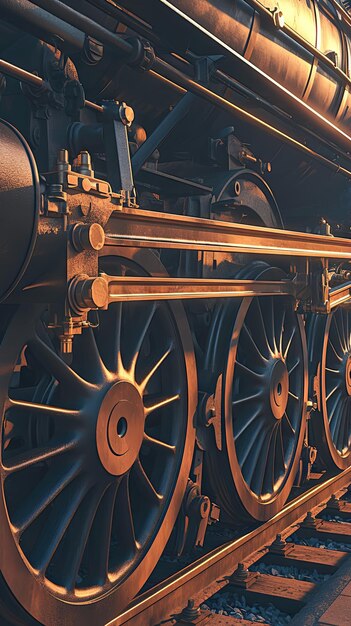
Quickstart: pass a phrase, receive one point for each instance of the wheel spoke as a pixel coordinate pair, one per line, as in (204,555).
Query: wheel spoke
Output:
(158,403)
(77,537)
(269,480)
(338,336)
(262,325)
(342,329)
(334,389)
(340,441)
(249,398)
(293,395)
(274,343)
(293,367)
(151,370)
(25,460)
(108,336)
(141,335)
(259,461)
(124,523)
(282,445)
(287,420)
(248,371)
(282,328)
(253,344)
(146,485)
(62,512)
(337,424)
(101,534)
(89,361)
(337,418)
(332,371)
(246,423)
(334,350)
(54,365)
(244,452)
(45,409)
(33,504)
(287,348)
(157,444)
(348,345)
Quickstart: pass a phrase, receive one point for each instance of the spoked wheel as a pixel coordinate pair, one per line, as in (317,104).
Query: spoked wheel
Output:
(258,347)
(95,454)
(330,352)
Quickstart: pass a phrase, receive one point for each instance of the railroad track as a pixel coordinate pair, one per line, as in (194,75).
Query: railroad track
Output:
(224,569)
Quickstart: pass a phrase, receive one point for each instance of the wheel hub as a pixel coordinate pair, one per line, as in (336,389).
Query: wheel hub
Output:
(120,428)
(279,388)
(348,375)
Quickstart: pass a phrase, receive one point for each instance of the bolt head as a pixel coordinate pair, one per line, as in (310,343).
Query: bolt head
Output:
(99,292)
(126,114)
(96,236)
(278,18)
(87,237)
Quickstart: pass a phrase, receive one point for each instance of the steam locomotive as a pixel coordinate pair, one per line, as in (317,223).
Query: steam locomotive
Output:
(175,330)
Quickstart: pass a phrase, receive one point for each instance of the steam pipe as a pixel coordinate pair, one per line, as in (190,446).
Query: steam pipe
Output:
(245,68)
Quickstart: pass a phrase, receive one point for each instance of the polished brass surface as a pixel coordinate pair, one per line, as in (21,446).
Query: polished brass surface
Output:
(157,230)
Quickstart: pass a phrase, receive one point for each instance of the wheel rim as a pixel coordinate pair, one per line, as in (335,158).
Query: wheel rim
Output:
(103,467)
(263,406)
(331,346)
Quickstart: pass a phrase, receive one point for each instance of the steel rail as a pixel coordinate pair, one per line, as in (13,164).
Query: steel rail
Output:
(138,228)
(127,51)
(121,289)
(156,604)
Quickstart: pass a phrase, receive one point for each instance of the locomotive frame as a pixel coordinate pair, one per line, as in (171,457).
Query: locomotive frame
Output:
(94,340)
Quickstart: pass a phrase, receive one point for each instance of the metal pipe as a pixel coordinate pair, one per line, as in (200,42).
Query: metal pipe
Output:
(86,25)
(22,13)
(165,70)
(36,81)
(125,18)
(213,98)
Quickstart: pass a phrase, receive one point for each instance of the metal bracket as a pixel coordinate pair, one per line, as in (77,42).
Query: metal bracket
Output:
(116,119)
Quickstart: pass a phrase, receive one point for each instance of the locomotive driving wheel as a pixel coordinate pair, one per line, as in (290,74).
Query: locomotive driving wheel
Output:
(258,348)
(95,452)
(330,352)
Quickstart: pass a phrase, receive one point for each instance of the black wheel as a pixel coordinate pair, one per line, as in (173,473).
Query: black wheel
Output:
(330,354)
(258,347)
(95,453)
